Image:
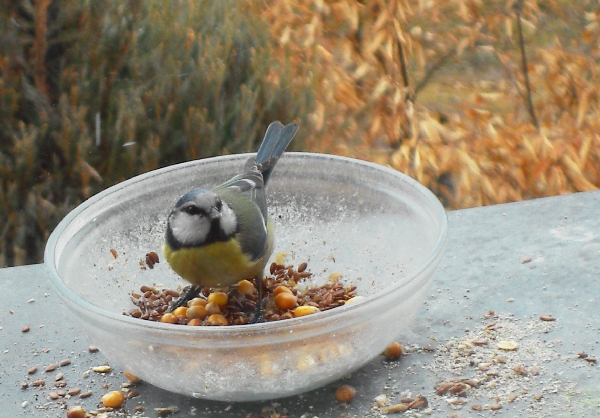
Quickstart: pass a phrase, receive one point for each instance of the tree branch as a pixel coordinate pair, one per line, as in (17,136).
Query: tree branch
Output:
(530,108)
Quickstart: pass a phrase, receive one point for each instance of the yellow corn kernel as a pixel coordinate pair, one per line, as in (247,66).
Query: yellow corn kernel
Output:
(305,310)
(195,322)
(217,319)
(285,301)
(280,258)
(354,300)
(219,298)
(113,399)
(212,308)
(180,311)
(281,289)
(169,318)
(246,287)
(197,301)
(196,312)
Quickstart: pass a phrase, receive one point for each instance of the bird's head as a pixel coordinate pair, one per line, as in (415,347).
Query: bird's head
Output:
(199,218)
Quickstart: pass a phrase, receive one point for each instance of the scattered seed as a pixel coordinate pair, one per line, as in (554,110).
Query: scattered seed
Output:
(345,393)
(547,318)
(85,394)
(477,407)
(101,369)
(133,379)
(38,383)
(53,395)
(480,342)
(381,400)
(76,412)
(24,385)
(526,260)
(60,384)
(393,351)
(495,407)
(590,359)
(419,402)
(151,259)
(507,345)
(51,368)
(92,349)
(113,399)
(25,328)
(393,409)
(443,388)
(59,376)
(520,370)
(74,391)
(538,396)
(32,370)
(64,362)
(166,411)
(133,394)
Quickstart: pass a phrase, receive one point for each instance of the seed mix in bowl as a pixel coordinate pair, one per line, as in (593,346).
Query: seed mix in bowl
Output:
(287,293)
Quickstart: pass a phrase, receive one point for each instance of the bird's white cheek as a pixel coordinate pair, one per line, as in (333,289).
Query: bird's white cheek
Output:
(190,229)
(228,220)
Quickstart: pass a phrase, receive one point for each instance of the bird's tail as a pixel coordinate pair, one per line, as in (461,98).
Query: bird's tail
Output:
(276,140)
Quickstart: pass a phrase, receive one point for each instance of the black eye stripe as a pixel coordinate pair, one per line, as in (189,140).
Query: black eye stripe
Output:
(193,210)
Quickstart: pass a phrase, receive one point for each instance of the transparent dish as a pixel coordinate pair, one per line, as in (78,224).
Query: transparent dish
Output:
(382,230)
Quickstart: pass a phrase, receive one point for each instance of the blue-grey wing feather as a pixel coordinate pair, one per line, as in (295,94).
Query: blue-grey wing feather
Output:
(245,193)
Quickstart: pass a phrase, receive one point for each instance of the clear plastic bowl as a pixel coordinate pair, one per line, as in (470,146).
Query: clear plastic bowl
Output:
(382,230)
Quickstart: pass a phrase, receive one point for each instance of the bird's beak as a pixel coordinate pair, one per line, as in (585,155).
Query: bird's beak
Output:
(214,214)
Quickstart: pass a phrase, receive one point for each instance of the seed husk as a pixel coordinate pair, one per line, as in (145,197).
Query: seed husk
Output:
(393,409)
(85,394)
(507,345)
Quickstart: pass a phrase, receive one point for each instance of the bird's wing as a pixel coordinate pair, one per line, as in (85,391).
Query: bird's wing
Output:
(245,193)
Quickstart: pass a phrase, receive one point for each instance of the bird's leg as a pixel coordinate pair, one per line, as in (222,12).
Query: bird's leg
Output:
(192,292)
(258,313)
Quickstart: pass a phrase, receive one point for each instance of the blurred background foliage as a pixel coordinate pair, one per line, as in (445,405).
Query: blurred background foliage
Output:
(93,92)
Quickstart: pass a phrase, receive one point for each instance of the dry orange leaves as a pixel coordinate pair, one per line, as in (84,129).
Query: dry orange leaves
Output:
(369,63)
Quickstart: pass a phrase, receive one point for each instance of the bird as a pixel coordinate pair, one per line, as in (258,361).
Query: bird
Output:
(216,238)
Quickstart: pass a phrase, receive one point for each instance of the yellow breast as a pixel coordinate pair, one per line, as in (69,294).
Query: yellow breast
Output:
(219,264)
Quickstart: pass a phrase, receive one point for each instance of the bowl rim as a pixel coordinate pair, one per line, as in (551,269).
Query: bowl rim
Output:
(253,329)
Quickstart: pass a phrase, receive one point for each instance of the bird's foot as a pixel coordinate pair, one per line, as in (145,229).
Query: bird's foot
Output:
(192,292)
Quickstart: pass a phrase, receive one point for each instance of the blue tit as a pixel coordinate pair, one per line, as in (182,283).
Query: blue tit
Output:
(216,238)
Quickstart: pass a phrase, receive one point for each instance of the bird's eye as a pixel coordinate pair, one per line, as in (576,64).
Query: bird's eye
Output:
(192,210)
(219,205)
